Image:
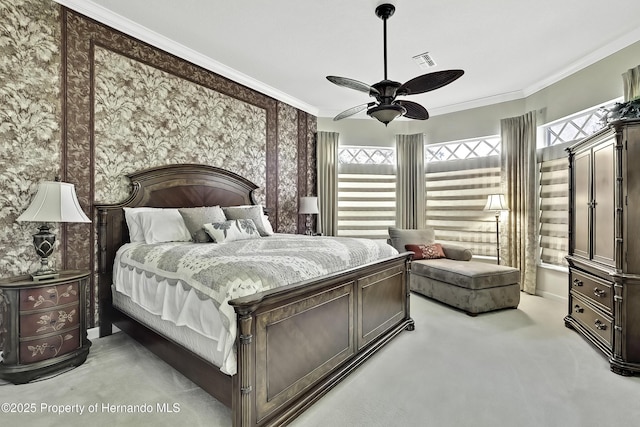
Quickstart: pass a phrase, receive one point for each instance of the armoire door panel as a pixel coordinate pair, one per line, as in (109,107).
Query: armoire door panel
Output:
(604,209)
(582,192)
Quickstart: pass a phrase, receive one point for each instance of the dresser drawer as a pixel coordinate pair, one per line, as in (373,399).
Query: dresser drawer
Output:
(598,323)
(48,296)
(38,349)
(593,289)
(50,321)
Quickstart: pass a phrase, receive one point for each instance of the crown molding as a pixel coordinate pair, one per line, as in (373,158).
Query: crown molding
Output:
(446,109)
(127,26)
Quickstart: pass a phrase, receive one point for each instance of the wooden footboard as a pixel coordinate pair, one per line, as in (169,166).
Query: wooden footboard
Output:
(297,342)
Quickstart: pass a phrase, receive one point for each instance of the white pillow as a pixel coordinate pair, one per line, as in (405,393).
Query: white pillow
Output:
(268,229)
(164,225)
(232,230)
(133,223)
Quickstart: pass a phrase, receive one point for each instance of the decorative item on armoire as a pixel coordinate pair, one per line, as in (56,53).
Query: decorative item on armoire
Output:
(496,203)
(630,108)
(55,201)
(308,207)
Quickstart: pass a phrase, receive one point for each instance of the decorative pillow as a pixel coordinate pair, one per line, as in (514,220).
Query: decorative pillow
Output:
(163,225)
(232,230)
(457,252)
(196,218)
(433,251)
(401,237)
(252,212)
(133,223)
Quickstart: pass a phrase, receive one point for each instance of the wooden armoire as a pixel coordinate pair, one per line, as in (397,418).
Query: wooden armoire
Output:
(604,243)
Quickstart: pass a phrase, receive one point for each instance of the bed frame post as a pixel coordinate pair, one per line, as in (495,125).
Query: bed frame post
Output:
(411,326)
(104,283)
(244,387)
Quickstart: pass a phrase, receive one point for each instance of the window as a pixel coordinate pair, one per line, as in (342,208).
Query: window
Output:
(575,127)
(554,179)
(459,175)
(366,191)
(553,204)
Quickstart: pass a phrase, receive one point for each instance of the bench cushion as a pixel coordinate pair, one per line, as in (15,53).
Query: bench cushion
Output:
(466,274)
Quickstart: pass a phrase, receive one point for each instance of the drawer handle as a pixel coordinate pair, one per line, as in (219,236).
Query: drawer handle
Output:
(577,282)
(599,293)
(578,309)
(599,325)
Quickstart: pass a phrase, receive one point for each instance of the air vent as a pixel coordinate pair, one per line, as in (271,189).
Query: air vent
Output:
(424,60)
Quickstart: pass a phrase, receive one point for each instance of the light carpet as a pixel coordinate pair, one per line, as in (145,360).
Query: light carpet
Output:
(507,368)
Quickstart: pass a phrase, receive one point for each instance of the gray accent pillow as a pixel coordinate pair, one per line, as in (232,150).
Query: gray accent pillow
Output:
(232,230)
(196,218)
(400,237)
(253,213)
(456,252)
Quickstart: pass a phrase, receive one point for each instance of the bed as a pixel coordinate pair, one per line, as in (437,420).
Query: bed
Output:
(293,343)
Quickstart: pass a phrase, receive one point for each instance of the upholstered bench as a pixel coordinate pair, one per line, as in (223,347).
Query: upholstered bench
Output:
(455,279)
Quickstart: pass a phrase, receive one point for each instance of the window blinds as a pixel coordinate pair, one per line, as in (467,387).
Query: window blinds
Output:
(456,193)
(366,200)
(554,204)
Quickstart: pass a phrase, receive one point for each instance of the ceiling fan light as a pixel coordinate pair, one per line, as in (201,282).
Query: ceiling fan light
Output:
(386,113)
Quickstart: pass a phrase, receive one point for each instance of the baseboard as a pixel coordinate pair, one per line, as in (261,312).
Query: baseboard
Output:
(94,333)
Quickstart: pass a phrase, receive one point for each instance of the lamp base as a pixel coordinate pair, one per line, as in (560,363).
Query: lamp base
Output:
(47,276)
(43,242)
(308,230)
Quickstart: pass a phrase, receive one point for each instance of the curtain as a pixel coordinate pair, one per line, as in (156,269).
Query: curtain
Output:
(410,212)
(327,160)
(518,177)
(631,81)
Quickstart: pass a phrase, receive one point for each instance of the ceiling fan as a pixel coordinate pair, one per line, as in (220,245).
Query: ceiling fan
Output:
(385,92)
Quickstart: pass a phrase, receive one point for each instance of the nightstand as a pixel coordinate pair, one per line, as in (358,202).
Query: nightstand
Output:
(43,325)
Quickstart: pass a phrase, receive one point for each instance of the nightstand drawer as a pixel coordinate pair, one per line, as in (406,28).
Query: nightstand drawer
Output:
(598,323)
(35,350)
(48,296)
(594,289)
(50,321)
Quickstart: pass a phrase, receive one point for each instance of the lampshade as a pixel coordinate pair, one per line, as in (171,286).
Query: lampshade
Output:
(54,202)
(308,205)
(386,113)
(496,202)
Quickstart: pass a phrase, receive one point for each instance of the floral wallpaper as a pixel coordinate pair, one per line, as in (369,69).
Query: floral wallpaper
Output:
(288,155)
(89,104)
(145,117)
(30,111)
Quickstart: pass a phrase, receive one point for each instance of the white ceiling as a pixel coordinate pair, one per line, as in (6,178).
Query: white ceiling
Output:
(285,48)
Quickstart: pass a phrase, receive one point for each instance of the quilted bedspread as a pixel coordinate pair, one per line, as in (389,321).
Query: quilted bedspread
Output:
(227,271)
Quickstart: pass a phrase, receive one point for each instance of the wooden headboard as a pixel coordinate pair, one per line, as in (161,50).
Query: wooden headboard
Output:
(172,186)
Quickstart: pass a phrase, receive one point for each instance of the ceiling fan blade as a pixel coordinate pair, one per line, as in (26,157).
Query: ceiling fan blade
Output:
(414,110)
(429,82)
(353,110)
(353,84)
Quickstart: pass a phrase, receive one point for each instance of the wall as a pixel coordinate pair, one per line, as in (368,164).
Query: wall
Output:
(91,104)
(591,86)
(30,120)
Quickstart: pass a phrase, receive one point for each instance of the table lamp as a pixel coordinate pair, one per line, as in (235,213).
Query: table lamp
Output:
(308,207)
(55,201)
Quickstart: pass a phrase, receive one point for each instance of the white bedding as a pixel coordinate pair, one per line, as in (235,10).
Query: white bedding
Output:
(163,307)
(189,284)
